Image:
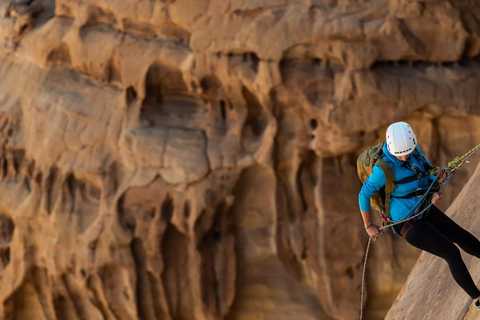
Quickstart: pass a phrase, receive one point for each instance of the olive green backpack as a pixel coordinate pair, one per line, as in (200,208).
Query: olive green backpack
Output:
(365,162)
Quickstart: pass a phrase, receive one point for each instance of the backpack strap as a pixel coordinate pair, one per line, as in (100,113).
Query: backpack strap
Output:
(389,185)
(414,177)
(419,174)
(422,158)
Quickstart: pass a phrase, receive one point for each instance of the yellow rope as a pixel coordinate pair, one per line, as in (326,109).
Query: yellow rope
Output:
(459,161)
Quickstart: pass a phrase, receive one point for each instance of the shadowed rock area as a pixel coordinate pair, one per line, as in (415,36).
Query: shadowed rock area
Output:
(178,159)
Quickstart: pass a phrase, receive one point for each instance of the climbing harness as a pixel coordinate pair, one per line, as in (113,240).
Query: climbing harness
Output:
(442,177)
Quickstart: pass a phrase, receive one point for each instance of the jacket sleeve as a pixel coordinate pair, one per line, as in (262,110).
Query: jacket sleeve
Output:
(376,181)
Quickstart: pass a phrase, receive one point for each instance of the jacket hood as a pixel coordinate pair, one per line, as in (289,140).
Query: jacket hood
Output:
(391,157)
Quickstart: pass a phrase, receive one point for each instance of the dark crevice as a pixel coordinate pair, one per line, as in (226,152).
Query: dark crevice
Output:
(113,73)
(464,62)
(300,187)
(186,210)
(59,56)
(174,277)
(168,101)
(18,158)
(202,224)
(167,209)
(26,184)
(256,120)
(214,247)
(126,220)
(92,246)
(349,272)
(210,84)
(5,168)
(251,57)
(143,291)
(131,95)
(6,229)
(4,257)
(223,109)
(38,178)
(416,44)
(71,184)
(306,180)
(50,193)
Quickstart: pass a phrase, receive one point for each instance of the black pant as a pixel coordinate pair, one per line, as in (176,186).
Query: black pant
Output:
(437,234)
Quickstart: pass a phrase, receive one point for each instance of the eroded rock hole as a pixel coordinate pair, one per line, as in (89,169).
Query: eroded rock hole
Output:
(59,55)
(349,272)
(306,180)
(256,121)
(210,84)
(162,80)
(168,102)
(167,209)
(131,95)
(4,168)
(126,220)
(113,72)
(313,124)
(252,58)
(143,297)
(71,184)
(18,157)
(5,256)
(175,250)
(186,210)
(86,190)
(217,259)
(6,229)
(223,109)
(51,192)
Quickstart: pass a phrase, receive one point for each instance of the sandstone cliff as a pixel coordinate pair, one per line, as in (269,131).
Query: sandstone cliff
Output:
(178,159)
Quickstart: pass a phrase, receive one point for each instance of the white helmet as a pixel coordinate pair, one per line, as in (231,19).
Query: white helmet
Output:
(400,139)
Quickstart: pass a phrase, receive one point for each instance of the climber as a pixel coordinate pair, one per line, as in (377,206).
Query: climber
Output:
(433,231)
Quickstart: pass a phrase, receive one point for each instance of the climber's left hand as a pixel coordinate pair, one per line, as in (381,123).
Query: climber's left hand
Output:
(436,198)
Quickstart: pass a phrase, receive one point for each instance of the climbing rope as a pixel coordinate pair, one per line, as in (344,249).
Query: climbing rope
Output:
(443,176)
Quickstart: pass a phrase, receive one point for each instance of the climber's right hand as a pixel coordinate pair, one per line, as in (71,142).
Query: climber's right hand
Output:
(374,231)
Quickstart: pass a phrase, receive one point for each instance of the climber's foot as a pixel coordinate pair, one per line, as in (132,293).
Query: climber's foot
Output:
(477,304)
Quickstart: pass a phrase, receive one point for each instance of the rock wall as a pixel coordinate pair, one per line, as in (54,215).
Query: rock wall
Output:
(166,159)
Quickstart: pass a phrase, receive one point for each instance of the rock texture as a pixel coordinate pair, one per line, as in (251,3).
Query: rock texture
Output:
(430,283)
(171,159)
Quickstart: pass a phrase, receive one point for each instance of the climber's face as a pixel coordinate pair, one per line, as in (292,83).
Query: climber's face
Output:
(403,158)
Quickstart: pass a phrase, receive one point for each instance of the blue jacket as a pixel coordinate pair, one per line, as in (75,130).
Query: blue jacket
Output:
(399,208)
